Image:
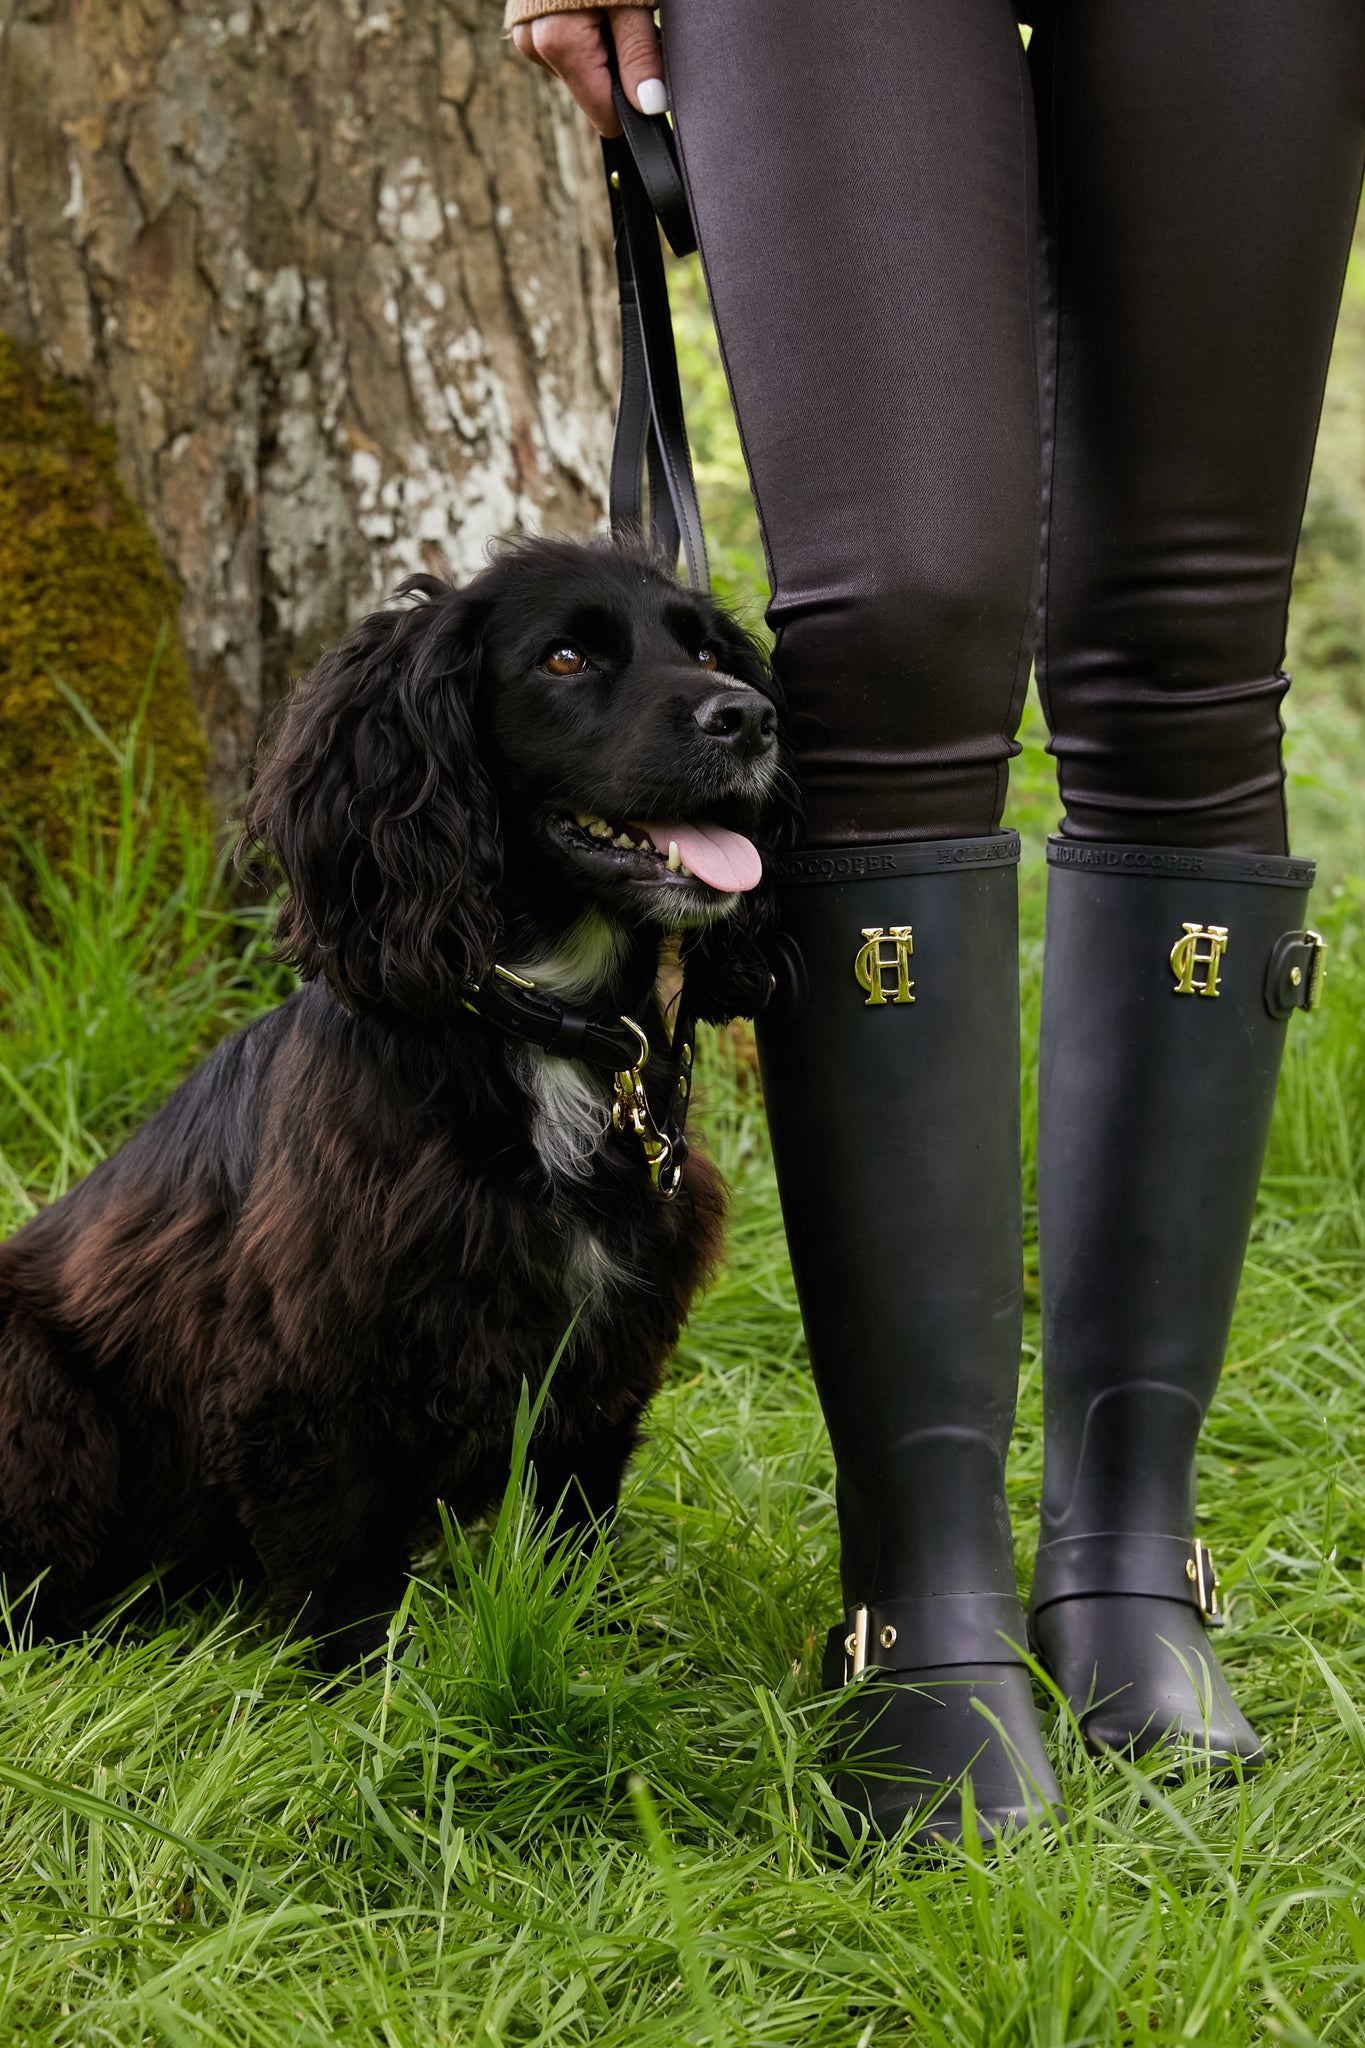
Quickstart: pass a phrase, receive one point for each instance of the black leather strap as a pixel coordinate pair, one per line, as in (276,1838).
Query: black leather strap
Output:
(652,145)
(523,1012)
(645,188)
(1293,976)
(929,1631)
(1126,1561)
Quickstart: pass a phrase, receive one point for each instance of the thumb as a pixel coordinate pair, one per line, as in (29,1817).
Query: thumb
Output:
(640,58)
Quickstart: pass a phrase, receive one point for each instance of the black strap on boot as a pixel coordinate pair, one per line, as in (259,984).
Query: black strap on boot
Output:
(938,1629)
(1133,1561)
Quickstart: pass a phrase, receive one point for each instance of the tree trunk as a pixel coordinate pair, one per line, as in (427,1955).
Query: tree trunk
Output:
(337,272)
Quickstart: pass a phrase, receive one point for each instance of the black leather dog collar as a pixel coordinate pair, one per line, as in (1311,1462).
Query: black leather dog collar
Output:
(511,1004)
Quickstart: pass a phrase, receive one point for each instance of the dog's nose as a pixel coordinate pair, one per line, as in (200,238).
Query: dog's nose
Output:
(741,719)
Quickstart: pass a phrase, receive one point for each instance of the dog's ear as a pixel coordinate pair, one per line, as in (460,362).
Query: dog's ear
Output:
(373,801)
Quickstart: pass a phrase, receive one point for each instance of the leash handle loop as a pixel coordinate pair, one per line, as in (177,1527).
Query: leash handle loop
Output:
(645,191)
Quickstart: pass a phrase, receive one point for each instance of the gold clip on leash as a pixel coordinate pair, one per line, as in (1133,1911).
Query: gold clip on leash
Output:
(630,1111)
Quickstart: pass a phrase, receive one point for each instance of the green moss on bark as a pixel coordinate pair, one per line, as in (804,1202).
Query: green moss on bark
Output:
(84,596)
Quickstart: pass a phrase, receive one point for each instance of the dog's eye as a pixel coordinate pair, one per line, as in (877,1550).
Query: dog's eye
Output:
(709,658)
(564,661)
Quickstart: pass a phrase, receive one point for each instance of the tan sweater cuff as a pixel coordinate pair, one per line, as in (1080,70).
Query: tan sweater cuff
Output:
(527,10)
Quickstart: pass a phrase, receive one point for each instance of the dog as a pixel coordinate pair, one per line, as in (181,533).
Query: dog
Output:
(297,1308)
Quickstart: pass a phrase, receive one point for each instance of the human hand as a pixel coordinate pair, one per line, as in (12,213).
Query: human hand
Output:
(573,46)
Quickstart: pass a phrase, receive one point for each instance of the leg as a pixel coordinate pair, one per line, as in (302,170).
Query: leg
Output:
(1201,168)
(59,1475)
(328,1511)
(578,1482)
(864,194)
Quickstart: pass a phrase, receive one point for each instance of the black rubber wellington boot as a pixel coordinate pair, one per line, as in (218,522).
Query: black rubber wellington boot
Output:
(890,1061)
(1168,980)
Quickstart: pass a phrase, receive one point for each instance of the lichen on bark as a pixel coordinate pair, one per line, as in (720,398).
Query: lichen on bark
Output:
(85,599)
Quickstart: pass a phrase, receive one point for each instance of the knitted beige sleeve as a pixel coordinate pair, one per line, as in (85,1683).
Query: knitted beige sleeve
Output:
(527,10)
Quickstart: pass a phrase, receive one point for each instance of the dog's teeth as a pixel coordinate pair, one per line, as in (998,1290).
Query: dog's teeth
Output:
(624,839)
(683,868)
(600,829)
(674,857)
(585,818)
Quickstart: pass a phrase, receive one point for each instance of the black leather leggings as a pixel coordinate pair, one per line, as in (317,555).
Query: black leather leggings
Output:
(968,296)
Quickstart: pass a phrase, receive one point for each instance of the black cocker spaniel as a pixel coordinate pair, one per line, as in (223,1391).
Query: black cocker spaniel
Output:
(297,1308)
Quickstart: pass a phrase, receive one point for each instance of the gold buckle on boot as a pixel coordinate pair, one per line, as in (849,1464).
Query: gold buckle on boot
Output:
(1317,968)
(855,1645)
(1199,1570)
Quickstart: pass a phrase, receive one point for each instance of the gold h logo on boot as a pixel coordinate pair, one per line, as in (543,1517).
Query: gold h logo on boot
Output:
(871,964)
(1187,960)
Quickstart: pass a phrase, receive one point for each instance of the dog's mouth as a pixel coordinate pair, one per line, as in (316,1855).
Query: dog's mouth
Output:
(665,855)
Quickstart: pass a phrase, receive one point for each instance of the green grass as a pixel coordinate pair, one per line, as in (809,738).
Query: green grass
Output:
(591,1808)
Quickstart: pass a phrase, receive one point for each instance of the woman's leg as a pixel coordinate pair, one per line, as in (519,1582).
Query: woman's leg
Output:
(1201,165)
(863,183)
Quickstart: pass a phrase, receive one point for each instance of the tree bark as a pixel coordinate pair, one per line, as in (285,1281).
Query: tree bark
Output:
(337,271)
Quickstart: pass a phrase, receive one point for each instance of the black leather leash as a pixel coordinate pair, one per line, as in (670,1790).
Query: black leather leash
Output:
(645,188)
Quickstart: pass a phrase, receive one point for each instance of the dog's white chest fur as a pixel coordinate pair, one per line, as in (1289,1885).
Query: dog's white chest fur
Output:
(570,1112)
(569,1120)
(570,1102)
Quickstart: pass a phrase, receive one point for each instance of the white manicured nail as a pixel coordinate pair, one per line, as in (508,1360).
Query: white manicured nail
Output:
(653,96)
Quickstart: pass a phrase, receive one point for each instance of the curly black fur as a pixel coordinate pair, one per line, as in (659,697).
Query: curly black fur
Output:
(296,1309)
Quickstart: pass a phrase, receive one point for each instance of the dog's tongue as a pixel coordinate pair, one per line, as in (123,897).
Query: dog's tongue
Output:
(722,859)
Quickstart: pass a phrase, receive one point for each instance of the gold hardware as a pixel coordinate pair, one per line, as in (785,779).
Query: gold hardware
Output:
(1317,970)
(887,1637)
(471,988)
(1186,958)
(869,966)
(615,181)
(855,1645)
(1295,976)
(1199,1570)
(630,1111)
